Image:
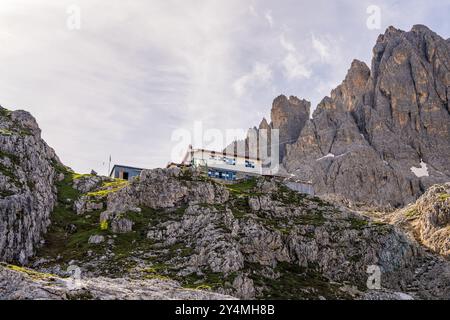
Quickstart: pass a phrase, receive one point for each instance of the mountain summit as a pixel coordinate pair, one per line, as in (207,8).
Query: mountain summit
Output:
(382,137)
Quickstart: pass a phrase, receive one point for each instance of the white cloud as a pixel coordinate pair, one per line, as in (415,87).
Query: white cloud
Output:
(293,63)
(259,76)
(269,18)
(321,48)
(294,69)
(252,11)
(134,73)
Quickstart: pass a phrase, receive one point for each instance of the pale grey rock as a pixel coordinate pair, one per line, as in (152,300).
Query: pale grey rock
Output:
(163,188)
(96,239)
(428,219)
(245,288)
(364,139)
(121,225)
(27,190)
(288,116)
(86,204)
(16,285)
(88,183)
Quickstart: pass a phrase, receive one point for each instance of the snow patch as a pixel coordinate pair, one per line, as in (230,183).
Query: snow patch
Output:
(330,155)
(422,171)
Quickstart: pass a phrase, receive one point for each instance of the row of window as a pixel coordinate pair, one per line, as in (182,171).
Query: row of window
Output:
(224,175)
(232,161)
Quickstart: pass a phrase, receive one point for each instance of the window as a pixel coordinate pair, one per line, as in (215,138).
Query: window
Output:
(229,161)
(249,164)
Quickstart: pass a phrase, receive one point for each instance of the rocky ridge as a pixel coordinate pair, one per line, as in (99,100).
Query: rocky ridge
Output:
(367,141)
(27,188)
(18,283)
(382,137)
(254,239)
(288,116)
(428,219)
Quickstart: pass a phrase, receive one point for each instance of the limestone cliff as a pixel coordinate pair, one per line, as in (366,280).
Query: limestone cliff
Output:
(382,137)
(288,115)
(27,190)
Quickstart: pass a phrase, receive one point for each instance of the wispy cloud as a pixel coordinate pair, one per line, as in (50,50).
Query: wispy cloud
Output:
(134,72)
(321,48)
(269,18)
(293,63)
(259,76)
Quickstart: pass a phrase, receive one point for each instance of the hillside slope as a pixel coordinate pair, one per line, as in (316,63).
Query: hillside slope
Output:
(254,239)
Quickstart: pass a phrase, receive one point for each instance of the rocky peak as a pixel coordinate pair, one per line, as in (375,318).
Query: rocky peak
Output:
(264,124)
(395,114)
(289,117)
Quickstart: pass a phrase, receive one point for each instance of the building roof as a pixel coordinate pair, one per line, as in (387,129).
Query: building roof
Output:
(125,167)
(232,154)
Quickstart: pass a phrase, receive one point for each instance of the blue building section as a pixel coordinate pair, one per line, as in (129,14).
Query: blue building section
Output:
(224,175)
(124,172)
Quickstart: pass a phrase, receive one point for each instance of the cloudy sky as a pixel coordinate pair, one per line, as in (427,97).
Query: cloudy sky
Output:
(129,76)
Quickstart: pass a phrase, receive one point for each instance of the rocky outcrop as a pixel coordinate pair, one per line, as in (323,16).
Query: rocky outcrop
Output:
(27,190)
(160,188)
(382,136)
(24,284)
(288,115)
(253,239)
(428,219)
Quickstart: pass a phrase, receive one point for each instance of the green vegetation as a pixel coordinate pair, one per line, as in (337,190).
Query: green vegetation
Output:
(104,225)
(6,132)
(9,171)
(35,275)
(412,213)
(14,159)
(444,196)
(358,223)
(108,187)
(288,196)
(293,283)
(207,281)
(5,112)
(6,193)
(83,295)
(244,187)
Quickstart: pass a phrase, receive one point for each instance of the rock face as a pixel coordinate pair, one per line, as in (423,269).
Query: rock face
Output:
(160,188)
(429,219)
(289,116)
(382,138)
(27,190)
(24,284)
(253,239)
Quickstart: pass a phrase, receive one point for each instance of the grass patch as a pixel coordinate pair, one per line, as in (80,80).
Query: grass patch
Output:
(35,275)
(5,112)
(6,132)
(444,196)
(288,196)
(108,187)
(358,224)
(411,213)
(207,281)
(244,187)
(294,283)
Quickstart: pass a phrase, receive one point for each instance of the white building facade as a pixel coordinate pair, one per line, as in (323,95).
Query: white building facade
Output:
(223,165)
